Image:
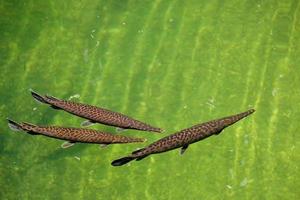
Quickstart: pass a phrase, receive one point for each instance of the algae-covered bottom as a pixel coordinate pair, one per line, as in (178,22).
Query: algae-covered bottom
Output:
(172,64)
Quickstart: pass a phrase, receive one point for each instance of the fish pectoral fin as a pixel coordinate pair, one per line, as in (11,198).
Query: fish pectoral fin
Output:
(103,146)
(55,107)
(118,129)
(87,123)
(67,144)
(183,148)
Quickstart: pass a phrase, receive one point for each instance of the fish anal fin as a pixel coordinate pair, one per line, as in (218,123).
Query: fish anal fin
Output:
(32,133)
(217,133)
(183,149)
(55,107)
(67,144)
(87,123)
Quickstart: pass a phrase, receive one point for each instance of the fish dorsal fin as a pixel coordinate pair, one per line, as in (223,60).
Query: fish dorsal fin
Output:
(28,124)
(51,98)
(184,147)
(87,123)
(67,144)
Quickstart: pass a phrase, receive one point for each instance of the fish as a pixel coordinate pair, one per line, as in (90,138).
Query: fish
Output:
(95,114)
(72,135)
(182,139)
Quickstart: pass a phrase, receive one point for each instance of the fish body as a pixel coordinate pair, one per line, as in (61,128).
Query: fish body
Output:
(95,114)
(184,138)
(73,135)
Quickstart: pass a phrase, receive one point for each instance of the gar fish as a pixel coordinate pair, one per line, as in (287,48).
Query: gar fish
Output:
(183,138)
(72,135)
(95,114)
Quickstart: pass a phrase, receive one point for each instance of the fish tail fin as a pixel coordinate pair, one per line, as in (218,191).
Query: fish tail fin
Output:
(141,157)
(14,125)
(134,156)
(139,154)
(29,128)
(45,99)
(39,98)
(122,161)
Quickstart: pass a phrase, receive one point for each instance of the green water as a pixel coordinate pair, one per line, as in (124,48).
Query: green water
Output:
(170,63)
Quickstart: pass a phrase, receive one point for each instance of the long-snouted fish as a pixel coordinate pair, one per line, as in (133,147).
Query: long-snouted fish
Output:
(73,135)
(184,138)
(95,114)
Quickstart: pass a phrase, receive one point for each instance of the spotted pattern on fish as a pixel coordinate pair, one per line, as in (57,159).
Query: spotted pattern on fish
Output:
(96,114)
(184,137)
(74,134)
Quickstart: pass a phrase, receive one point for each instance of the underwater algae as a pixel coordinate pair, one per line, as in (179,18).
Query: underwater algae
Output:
(170,63)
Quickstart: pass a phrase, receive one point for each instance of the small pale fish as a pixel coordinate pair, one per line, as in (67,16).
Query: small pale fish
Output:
(77,158)
(183,138)
(95,114)
(72,135)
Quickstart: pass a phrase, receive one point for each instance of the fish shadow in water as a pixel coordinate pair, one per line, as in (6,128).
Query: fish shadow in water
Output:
(58,155)
(61,153)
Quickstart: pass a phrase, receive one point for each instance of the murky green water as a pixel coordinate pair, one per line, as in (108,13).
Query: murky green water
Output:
(170,63)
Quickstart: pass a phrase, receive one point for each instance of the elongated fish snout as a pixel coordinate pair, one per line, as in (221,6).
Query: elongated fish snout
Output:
(251,111)
(135,140)
(158,130)
(235,118)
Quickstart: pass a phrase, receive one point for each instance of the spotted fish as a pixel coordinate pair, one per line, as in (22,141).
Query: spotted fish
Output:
(95,114)
(184,138)
(72,135)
